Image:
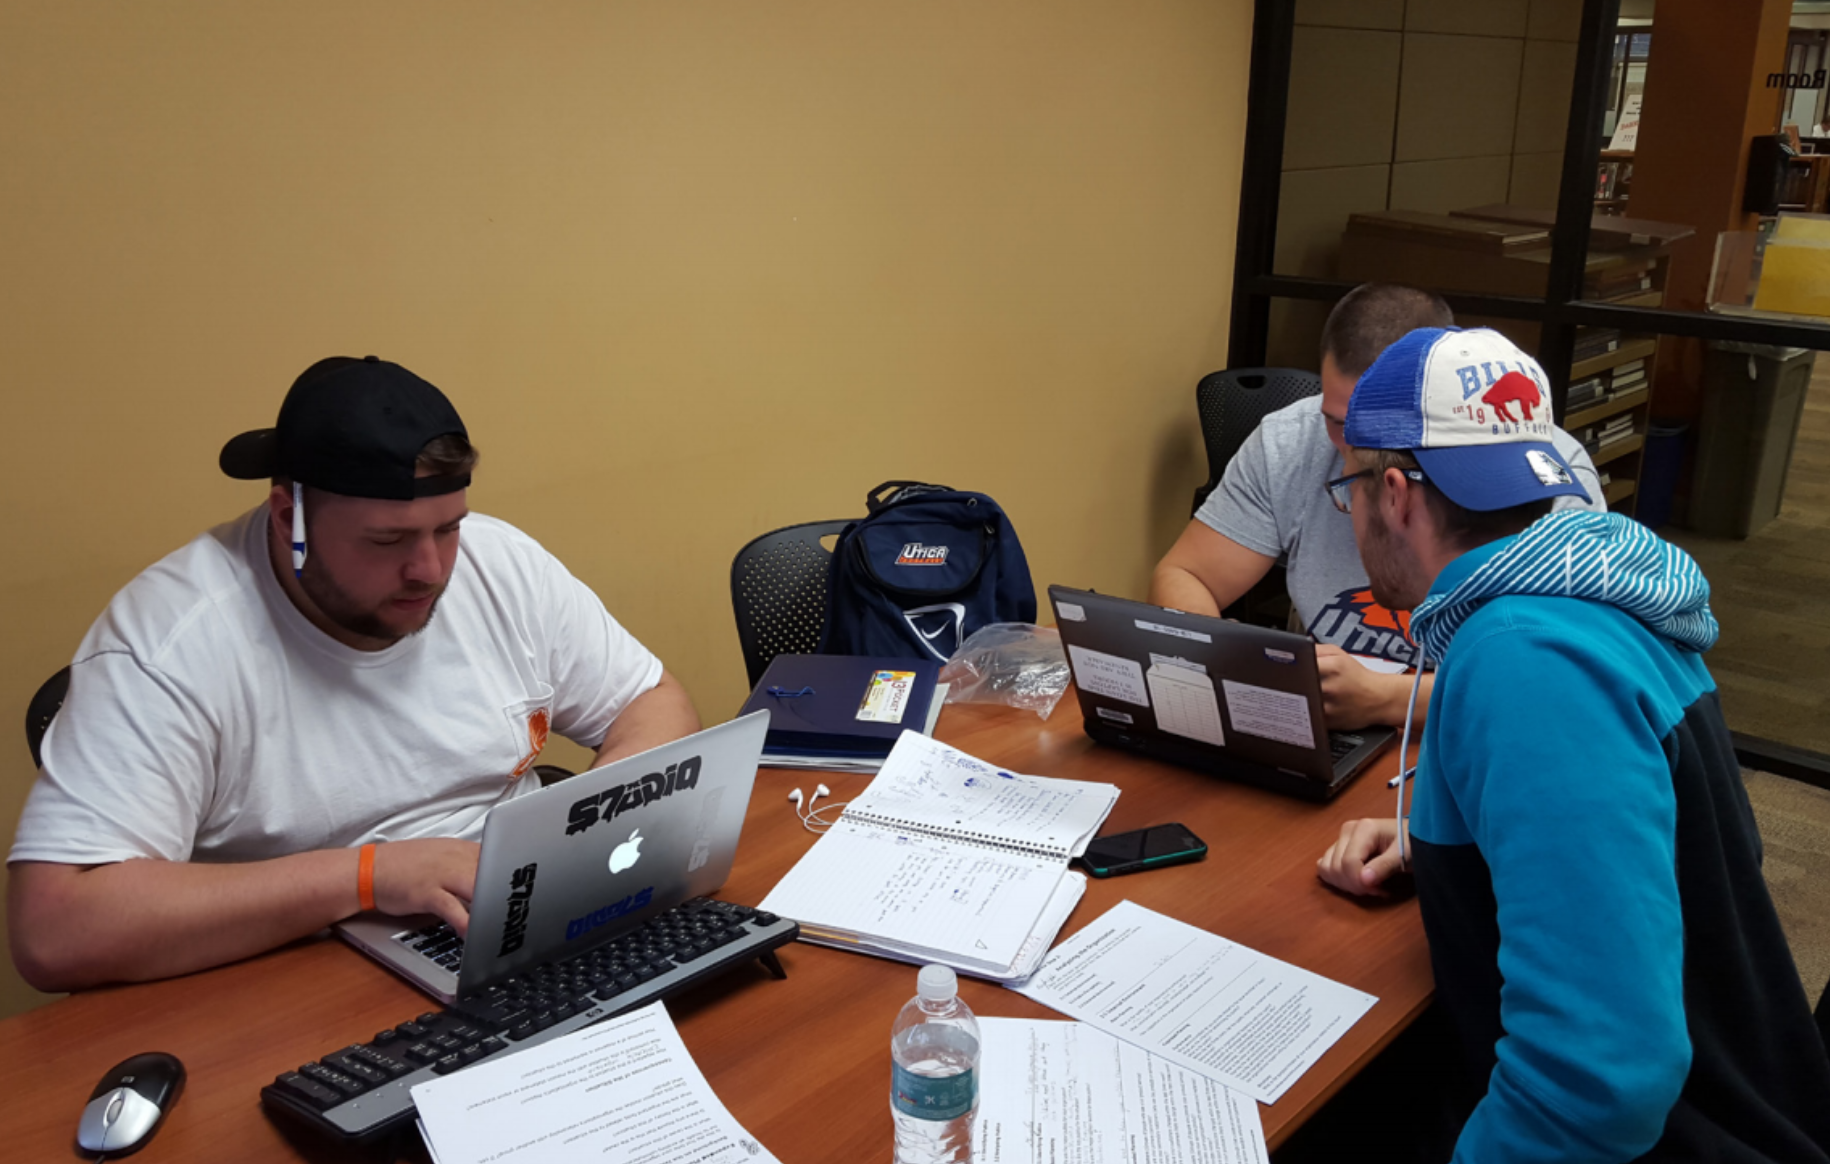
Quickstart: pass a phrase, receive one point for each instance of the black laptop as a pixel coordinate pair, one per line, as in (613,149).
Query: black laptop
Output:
(1239,701)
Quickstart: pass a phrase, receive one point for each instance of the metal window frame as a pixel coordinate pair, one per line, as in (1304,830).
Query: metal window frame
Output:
(1560,312)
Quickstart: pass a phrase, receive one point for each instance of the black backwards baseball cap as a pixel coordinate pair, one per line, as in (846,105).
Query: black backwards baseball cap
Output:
(354,427)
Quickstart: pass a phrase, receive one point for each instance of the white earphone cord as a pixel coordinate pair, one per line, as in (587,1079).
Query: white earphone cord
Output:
(1405,774)
(813,816)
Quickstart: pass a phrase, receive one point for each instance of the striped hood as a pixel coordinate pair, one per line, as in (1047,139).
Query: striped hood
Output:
(1602,557)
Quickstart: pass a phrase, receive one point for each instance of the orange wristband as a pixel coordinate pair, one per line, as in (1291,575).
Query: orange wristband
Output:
(365,877)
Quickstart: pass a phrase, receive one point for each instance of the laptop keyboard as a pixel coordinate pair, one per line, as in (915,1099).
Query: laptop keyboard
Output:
(437,943)
(1341,743)
(361,1092)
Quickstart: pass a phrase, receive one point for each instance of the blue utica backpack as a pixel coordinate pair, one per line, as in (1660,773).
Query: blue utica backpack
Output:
(925,568)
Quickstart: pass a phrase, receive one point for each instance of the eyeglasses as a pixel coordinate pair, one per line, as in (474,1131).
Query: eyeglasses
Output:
(1340,490)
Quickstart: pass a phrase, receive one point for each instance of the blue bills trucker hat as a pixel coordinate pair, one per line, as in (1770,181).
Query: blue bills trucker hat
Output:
(1472,408)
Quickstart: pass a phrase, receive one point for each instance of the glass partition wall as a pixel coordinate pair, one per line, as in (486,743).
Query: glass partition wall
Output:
(1636,209)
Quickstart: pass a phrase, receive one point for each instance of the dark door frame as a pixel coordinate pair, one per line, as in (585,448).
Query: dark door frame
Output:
(1560,312)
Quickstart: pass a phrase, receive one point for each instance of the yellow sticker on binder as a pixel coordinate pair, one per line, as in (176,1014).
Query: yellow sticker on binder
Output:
(886,696)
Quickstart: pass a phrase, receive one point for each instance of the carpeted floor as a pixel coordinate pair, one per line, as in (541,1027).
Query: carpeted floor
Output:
(1772,663)
(1795,827)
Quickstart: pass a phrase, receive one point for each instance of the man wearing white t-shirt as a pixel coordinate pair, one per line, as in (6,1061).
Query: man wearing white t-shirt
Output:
(1272,505)
(287,721)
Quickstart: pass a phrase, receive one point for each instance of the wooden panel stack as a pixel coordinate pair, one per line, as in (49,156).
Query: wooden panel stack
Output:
(1505,250)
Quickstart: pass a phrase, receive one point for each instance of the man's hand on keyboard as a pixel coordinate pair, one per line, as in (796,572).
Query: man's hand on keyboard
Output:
(432,876)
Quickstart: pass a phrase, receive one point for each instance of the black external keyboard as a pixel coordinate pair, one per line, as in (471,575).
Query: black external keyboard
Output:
(362,1092)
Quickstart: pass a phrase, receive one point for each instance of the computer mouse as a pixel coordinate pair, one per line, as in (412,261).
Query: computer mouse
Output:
(129,1104)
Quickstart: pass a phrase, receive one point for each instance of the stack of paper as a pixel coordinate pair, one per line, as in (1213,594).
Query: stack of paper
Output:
(945,858)
(1066,1093)
(1220,1009)
(624,1092)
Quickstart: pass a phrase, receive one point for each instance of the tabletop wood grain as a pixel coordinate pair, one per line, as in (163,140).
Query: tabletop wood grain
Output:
(803,1063)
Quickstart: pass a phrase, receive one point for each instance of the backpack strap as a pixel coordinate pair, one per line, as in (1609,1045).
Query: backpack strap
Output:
(900,491)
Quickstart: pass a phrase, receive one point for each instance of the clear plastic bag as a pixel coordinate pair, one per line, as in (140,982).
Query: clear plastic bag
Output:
(1013,663)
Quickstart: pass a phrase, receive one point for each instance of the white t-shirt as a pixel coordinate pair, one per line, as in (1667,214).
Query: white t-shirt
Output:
(208,720)
(1273,499)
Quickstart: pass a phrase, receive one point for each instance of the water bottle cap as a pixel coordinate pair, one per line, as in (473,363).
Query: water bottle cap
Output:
(937,983)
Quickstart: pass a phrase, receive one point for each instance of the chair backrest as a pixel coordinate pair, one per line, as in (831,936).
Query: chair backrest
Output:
(43,709)
(778,592)
(1231,403)
(1823,1014)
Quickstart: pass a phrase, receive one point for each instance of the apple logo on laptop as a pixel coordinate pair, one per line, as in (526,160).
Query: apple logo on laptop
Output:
(627,853)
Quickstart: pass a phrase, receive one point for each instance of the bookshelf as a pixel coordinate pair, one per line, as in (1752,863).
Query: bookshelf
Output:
(1505,250)
(1613,181)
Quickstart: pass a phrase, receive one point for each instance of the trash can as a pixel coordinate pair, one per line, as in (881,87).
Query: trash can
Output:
(1658,472)
(1753,399)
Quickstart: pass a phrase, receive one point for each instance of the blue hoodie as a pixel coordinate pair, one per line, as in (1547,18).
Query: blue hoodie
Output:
(1588,865)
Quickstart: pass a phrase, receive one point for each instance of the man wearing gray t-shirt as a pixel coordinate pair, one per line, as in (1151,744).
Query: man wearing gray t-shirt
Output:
(1272,506)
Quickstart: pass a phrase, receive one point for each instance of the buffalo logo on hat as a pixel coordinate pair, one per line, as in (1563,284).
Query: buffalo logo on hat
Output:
(1513,388)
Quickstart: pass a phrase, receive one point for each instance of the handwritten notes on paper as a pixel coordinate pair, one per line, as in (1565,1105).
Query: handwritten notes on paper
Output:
(946,858)
(623,1092)
(1231,1013)
(928,785)
(915,890)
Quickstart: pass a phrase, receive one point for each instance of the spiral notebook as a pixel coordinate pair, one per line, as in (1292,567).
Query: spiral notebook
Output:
(945,858)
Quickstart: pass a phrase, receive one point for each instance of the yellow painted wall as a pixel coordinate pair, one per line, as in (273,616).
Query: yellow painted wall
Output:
(691,269)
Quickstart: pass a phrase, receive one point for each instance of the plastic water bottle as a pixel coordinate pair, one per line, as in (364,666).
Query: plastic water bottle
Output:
(934,1080)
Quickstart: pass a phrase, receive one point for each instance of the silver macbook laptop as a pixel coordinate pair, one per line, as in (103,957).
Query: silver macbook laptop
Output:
(1244,702)
(583,861)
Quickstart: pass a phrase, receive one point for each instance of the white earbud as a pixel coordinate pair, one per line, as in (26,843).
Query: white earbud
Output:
(816,820)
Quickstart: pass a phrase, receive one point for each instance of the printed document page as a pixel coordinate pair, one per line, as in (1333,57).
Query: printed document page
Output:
(956,898)
(1231,1013)
(1066,1093)
(623,1092)
(926,782)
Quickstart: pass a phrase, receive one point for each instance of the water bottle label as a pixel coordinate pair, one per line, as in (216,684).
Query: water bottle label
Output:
(926,1097)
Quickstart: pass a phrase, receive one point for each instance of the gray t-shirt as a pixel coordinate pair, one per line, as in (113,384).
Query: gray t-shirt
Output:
(1273,499)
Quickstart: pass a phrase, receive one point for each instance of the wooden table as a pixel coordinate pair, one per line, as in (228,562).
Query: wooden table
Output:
(803,1063)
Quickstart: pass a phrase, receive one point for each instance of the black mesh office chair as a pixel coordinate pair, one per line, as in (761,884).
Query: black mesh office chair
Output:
(1823,1014)
(778,592)
(43,709)
(1231,403)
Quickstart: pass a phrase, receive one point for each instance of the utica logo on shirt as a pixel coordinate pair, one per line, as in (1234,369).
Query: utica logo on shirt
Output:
(1357,624)
(539,721)
(916,554)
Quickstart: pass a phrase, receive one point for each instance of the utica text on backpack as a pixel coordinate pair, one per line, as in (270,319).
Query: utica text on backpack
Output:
(928,566)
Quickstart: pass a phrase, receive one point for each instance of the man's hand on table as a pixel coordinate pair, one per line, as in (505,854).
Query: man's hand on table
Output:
(1364,858)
